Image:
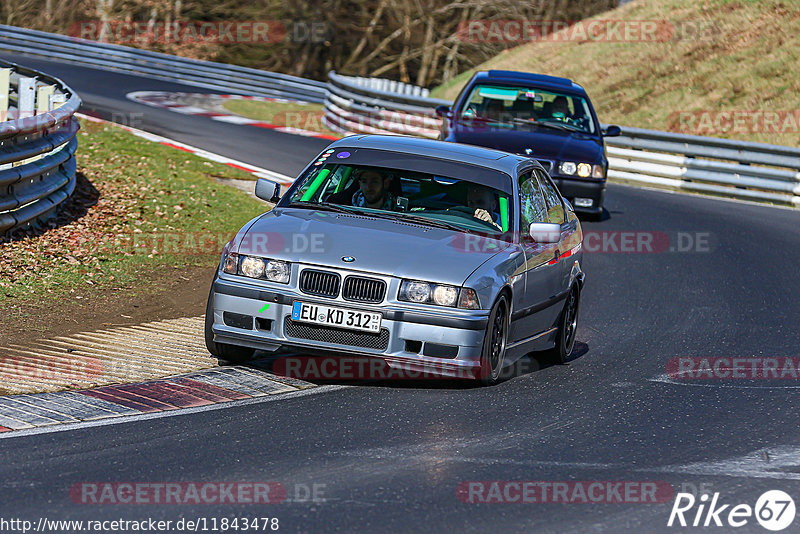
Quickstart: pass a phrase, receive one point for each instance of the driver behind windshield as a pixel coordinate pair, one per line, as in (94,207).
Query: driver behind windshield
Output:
(373,191)
(561,108)
(485,204)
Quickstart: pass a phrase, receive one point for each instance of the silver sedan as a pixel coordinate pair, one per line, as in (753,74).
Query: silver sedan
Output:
(428,255)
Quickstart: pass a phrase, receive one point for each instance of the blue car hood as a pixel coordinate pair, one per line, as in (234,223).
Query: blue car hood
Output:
(544,143)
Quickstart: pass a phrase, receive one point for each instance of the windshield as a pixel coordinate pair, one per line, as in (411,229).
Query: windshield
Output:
(515,107)
(432,199)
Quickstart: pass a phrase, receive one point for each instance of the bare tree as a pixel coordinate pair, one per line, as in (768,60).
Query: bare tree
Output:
(411,40)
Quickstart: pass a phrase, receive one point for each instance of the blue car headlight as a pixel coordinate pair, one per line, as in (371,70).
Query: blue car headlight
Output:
(582,169)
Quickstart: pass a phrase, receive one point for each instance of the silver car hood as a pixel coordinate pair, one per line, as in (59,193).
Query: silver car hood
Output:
(382,246)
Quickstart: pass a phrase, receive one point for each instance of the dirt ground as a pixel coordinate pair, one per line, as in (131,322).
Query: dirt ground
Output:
(176,292)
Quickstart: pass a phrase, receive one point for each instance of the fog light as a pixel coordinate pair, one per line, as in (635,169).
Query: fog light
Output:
(583,202)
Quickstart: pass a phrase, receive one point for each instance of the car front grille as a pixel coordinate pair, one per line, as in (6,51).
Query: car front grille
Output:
(319,283)
(336,336)
(361,289)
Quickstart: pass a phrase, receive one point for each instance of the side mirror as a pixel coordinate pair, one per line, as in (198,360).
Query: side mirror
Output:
(545,232)
(443,111)
(612,131)
(268,190)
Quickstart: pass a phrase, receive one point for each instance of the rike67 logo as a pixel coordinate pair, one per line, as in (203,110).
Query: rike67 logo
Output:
(774,510)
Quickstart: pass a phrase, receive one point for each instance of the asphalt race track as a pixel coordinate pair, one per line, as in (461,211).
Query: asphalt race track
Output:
(389,457)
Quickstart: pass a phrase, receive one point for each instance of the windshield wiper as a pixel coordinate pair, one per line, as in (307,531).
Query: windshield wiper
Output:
(564,127)
(432,222)
(318,205)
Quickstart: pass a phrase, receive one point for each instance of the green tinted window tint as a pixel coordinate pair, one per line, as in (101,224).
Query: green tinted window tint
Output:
(498,92)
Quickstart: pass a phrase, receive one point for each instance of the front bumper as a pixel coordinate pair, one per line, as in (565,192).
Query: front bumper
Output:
(459,332)
(573,188)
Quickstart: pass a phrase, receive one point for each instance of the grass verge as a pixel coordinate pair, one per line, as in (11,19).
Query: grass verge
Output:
(139,207)
(289,114)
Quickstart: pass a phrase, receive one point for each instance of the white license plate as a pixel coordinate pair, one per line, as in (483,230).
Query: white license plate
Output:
(336,317)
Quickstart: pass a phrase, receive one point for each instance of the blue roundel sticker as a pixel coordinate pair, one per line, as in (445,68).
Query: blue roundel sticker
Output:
(342,155)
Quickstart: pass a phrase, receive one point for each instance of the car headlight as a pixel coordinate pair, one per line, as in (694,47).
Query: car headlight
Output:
(438,295)
(277,271)
(568,168)
(413,291)
(445,296)
(254,267)
(582,169)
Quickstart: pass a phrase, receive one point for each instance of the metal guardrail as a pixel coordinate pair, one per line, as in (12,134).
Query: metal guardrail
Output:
(206,74)
(724,167)
(353,105)
(37,147)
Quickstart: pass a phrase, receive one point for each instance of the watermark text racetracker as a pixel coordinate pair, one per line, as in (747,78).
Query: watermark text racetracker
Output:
(564,492)
(186,493)
(714,122)
(607,242)
(594,30)
(734,368)
(201,242)
(202,32)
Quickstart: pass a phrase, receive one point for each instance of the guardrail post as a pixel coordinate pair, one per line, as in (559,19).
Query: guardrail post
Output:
(5,76)
(43,95)
(26,96)
(56,101)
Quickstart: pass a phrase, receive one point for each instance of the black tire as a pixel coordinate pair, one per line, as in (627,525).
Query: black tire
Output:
(222,351)
(597,217)
(494,343)
(567,327)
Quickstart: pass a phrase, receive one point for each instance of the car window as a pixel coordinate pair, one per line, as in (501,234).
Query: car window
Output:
(455,201)
(532,205)
(555,210)
(526,107)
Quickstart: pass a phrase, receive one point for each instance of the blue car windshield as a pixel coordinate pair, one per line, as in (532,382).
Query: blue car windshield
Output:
(423,197)
(515,107)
